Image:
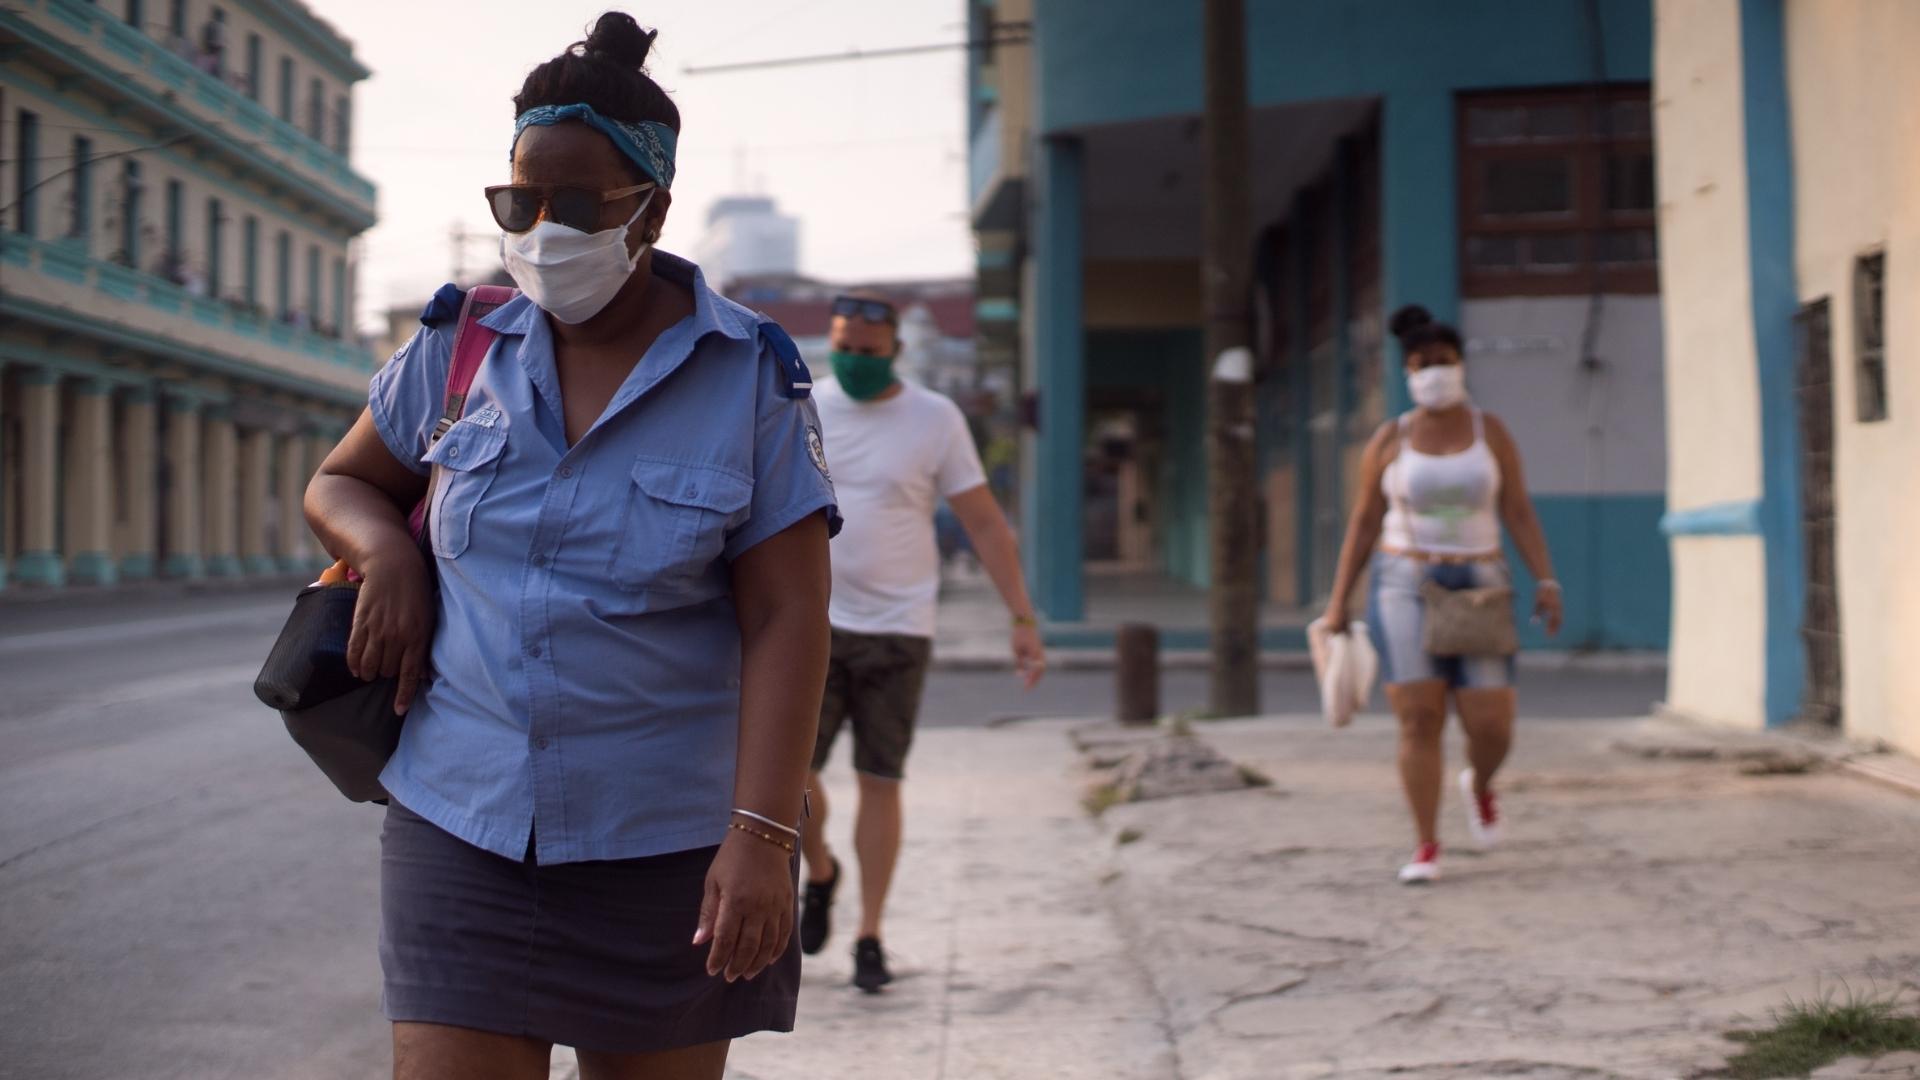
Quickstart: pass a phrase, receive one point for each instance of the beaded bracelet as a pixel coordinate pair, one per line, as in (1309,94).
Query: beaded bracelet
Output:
(776,841)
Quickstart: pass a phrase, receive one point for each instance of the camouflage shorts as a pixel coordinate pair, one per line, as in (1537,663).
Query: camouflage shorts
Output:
(874,681)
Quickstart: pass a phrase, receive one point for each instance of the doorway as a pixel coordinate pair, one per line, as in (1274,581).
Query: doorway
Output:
(1820,621)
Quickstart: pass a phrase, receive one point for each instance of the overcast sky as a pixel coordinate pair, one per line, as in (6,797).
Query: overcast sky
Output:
(870,155)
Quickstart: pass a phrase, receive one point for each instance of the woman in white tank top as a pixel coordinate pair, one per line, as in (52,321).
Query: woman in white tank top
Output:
(1438,485)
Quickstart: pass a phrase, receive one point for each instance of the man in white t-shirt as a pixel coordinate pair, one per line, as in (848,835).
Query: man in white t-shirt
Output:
(895,451)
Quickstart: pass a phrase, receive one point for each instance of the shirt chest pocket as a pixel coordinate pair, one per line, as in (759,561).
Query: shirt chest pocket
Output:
(465,461)
(676,521)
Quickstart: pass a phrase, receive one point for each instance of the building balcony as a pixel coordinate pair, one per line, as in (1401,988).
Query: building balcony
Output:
(76,41)
(70,295)
(995,176)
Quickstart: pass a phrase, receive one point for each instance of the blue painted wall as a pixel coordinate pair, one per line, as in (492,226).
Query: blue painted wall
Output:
(1770,225)
(1111,61)
(1613,562)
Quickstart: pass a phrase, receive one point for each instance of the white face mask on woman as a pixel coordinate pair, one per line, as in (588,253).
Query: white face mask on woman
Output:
(1441,386)
(571,274)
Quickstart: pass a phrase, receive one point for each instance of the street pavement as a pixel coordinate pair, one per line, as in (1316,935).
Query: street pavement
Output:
(185,896)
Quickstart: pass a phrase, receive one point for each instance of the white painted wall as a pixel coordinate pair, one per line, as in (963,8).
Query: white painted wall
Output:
(1717,670)
(1855,99)
(1582,433)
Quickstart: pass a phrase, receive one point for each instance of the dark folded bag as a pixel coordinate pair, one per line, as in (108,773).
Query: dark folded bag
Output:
(347,726)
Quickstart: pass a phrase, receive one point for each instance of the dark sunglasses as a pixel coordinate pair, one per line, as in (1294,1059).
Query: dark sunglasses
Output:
(516,207)
(874,311)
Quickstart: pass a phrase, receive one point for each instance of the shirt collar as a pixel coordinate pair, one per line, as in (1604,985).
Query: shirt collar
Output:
(711,311)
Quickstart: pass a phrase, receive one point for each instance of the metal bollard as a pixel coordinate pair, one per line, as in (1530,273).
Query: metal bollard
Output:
(1136,673)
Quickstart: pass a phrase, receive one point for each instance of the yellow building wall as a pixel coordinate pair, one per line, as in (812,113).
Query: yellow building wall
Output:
(1717,662)
(1856,139)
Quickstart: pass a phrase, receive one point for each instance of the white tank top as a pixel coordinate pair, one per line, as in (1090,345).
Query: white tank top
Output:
(1442,504)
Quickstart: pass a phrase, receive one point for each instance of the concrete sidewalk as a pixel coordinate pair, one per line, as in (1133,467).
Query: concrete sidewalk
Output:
(1008,961)
(1641,908)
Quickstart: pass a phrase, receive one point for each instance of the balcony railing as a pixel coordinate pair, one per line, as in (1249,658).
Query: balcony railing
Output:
(68,261)
(211,93)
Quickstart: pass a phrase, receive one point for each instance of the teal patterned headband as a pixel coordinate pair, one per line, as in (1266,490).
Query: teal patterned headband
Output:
(648,143)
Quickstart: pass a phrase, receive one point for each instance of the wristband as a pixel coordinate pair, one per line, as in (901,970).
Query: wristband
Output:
(1548,583)
(1025,620)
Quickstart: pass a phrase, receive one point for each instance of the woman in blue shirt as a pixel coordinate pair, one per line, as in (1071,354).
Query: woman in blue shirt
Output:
(596,794)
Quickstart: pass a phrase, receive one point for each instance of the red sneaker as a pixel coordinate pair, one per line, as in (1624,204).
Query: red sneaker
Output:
(1425,866)
(1484,823)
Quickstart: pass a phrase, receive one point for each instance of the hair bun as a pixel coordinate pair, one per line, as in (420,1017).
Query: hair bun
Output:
(1408,319)
(617,38)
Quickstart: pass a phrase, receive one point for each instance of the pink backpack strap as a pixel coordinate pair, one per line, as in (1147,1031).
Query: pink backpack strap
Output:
(471,342)
(470,345)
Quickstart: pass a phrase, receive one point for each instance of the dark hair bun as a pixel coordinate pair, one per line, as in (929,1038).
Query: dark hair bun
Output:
(1408,319)
(618,39)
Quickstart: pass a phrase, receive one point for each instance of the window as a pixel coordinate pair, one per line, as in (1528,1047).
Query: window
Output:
(177,20)
(26,174)
(286,89)
(137,13)
(1557,192)
(254,61)
(131,188)
(317,110)
(250,261)
(81,223)
(283,276)
(173,259)
(1870,336)
(343,129)
(216,243)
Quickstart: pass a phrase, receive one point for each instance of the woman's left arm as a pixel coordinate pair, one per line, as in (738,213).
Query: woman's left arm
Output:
(780,589)
(1516,512)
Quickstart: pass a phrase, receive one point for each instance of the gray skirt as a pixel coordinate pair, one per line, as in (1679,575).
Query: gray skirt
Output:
(592,955)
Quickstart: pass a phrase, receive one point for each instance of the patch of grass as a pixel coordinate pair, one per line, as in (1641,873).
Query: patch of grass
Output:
(1129,836)
(1807,1035)
(1099,797)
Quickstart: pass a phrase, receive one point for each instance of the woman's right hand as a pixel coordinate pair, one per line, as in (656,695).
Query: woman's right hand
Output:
(1336,617)
(393,622)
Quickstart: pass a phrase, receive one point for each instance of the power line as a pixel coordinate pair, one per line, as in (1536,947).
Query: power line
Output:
(1008,33)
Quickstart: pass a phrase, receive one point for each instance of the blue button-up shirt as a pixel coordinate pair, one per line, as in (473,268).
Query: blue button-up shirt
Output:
(587,657)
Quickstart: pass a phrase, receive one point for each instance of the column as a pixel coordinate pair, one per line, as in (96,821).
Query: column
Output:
(1419,232)
(40,562)
(3,482)
(319,445)
(184,513)
(88,480)
(256,502)
(1051,524)
(140,478)
(296,542)
(218,490)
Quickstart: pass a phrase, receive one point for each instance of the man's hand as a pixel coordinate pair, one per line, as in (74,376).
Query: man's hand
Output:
(1029,655)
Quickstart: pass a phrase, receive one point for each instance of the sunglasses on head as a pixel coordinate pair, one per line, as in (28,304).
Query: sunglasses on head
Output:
(516,207)
(874,311)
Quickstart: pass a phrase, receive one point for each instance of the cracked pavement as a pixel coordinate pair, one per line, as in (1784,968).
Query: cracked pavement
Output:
(1638,910)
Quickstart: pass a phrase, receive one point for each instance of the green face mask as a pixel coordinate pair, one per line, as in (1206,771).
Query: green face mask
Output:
(862,377)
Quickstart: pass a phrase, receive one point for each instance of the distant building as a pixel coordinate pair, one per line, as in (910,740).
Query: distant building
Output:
(747,237)
(1790,256)
(1490,160)
(177,349)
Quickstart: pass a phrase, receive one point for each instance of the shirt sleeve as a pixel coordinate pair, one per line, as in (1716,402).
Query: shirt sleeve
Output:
(960,468)
(791,480)
(408,394)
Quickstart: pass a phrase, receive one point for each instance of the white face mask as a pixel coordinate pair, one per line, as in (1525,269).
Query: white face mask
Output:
(572,275)
(1439,387)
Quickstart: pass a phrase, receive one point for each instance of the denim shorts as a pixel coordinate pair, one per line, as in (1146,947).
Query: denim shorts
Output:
(1396,619)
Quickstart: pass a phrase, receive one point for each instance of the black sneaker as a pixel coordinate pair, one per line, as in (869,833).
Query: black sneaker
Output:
(816,913)
(870,965)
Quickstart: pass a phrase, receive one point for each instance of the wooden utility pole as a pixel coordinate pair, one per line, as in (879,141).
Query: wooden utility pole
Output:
(1232,492)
